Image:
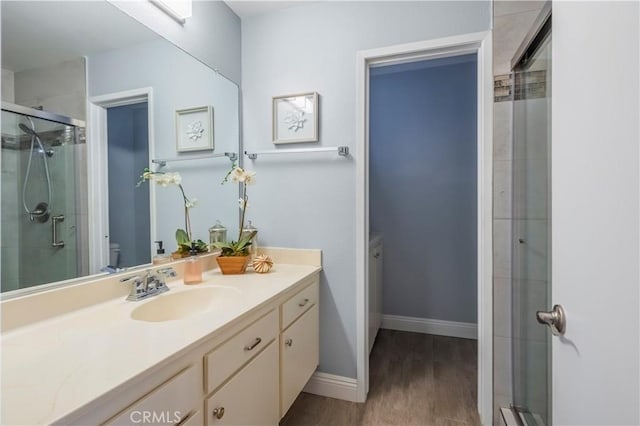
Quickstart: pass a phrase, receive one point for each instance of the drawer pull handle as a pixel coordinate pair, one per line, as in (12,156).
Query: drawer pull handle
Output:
(251,346)
(218,412)
(288,342)
(303,303)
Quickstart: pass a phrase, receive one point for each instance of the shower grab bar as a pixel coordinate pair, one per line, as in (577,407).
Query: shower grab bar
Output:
(163,161)
(54,231)
(341,150)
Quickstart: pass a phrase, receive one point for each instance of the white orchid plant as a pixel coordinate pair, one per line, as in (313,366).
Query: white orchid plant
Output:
(241,246)
(183,236)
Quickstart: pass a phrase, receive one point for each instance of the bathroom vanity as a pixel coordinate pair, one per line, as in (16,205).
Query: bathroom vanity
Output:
(232,350)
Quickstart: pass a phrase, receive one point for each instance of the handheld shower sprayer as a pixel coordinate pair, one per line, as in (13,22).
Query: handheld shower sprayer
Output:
(42,210)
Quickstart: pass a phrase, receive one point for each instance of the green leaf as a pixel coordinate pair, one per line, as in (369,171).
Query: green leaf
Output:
(182,237)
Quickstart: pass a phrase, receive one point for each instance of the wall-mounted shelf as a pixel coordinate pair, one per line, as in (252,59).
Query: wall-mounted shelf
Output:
(163,161)
(343,151)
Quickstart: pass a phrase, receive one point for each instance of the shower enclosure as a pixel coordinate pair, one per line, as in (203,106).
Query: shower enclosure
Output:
(44,202)
(531,227)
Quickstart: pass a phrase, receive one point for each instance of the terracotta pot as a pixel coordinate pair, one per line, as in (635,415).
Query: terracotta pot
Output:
(230,265)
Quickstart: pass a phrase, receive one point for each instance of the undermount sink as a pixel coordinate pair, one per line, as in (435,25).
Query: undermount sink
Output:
(173,306)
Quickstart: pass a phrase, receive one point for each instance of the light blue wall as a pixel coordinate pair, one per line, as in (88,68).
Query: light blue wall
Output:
(423,186)
(309,201)
(128,152)
(178,82)
(212,34)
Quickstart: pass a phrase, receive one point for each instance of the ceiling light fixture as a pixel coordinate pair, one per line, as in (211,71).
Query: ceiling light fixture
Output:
(179,10)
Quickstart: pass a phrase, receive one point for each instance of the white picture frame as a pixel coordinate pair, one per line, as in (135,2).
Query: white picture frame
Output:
(194,129)
(295,118)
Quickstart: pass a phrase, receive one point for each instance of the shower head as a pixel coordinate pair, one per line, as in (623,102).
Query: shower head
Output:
(28,130)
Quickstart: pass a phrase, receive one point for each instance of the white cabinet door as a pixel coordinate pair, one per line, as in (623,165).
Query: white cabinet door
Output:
(375,291)
(299,346)
(251,396)
(595,217)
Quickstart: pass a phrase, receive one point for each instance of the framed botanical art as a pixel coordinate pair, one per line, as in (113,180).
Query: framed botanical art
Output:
(194,129)
(295,118)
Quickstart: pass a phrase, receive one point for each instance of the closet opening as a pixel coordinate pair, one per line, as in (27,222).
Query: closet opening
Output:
(424,244)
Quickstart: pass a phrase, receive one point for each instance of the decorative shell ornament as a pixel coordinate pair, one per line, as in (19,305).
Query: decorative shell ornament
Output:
(262,264)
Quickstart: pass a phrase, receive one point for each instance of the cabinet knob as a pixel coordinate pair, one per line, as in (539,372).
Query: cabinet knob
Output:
(303,303)
(218,412)
(377,255)
(288,342)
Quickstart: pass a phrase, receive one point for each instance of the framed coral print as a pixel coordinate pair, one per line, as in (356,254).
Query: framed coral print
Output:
(295,118)
(194,129)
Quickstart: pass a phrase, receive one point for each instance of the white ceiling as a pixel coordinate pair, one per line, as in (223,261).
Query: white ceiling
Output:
(40,33)
(246,8)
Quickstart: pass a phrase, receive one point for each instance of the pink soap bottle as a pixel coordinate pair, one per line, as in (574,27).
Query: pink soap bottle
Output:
(192,267)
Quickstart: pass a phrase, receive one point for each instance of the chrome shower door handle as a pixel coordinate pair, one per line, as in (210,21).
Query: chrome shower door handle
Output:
(54,231)
(556,319)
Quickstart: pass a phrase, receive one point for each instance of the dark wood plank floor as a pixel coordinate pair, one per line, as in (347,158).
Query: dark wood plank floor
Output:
(415,380)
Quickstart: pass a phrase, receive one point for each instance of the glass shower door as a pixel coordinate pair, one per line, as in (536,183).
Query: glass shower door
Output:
(43,231)
(531,286)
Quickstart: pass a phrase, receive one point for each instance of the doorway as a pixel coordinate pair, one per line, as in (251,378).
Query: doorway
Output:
(128,156)
(478,44)
(122,137)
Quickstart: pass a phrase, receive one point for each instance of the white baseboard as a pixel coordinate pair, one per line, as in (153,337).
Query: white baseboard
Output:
(332,386)
(464,330)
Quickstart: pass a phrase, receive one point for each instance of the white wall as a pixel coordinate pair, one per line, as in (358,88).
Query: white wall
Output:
(212,34)
(305,200)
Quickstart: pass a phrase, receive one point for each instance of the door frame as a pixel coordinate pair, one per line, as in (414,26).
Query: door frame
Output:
(481,44)
(98,178)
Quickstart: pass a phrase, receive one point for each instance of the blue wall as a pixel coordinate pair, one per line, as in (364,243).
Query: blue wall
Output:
(423,186)
(128,149)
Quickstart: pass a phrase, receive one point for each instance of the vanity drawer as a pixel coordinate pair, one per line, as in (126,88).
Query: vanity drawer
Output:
(169,403)
(299,304)
(223,361)
(250,397)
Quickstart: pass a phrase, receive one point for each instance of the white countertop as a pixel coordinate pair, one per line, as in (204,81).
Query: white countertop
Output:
(52,368)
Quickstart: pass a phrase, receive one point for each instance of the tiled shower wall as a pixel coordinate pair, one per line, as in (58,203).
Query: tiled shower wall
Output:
(512,20)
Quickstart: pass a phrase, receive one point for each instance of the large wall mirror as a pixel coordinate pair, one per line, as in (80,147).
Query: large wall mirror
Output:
(90,97)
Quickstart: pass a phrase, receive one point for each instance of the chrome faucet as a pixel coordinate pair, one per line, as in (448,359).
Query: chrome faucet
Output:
(149,284)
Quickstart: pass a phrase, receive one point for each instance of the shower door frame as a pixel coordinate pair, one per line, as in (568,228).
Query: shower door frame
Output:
(481,44)
(98,179)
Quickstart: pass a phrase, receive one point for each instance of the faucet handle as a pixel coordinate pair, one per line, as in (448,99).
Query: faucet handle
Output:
(167,272)
(138,288)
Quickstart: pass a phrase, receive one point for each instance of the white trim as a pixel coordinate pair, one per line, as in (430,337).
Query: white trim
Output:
(465,330)
(332,386)
(98,177)
(476,42)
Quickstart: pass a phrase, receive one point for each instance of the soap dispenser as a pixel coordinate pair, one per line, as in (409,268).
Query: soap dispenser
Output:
(160,258)
(193,267)
(253,248)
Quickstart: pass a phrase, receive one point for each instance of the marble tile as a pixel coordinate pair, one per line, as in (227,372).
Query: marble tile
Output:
(502,189)
(508,33)
(502,136)
(502,248)
(502,365)
(502,307)
(530,257)
(500,401)
(509,7)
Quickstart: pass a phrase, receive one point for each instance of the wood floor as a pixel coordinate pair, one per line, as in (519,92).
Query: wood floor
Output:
(415,380)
